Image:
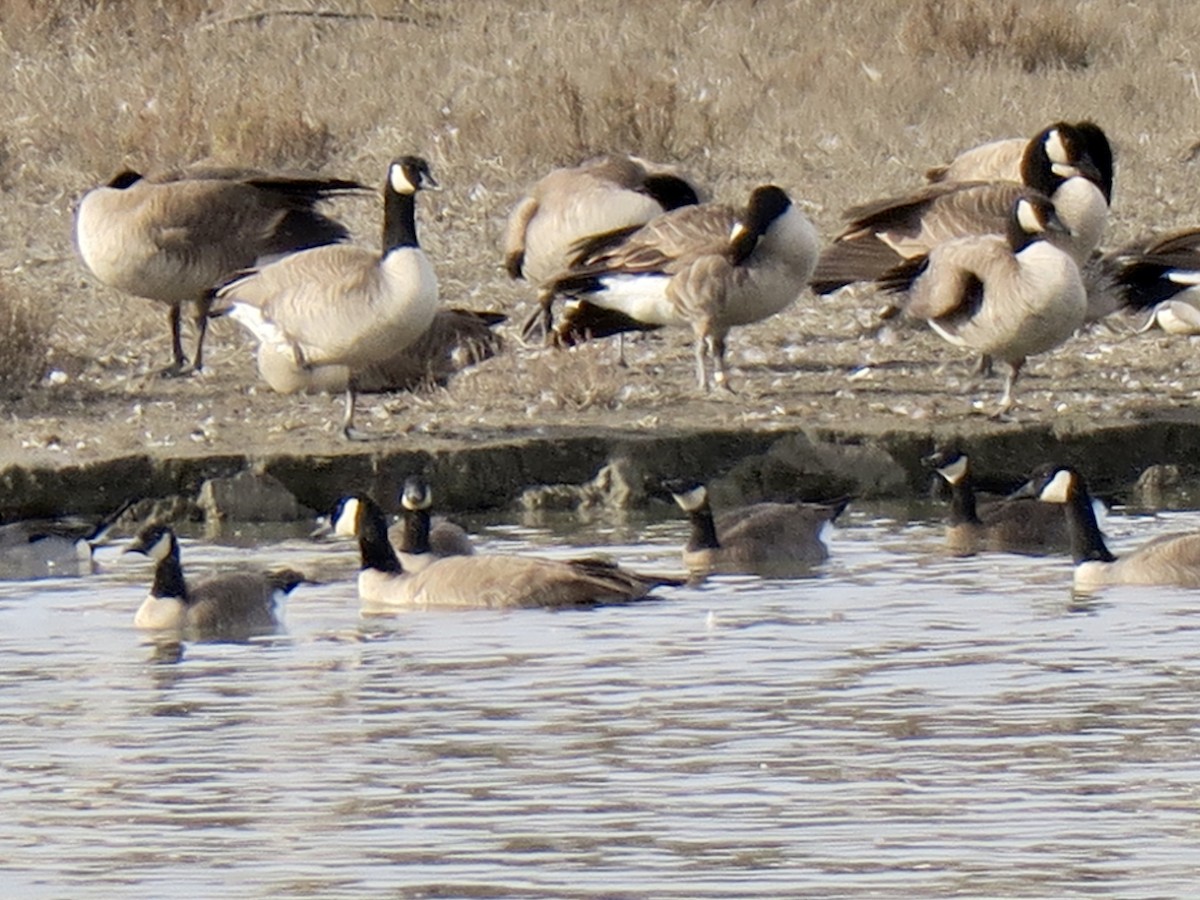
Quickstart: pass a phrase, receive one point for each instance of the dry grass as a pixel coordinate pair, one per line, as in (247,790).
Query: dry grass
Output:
(24,342)
(836,102)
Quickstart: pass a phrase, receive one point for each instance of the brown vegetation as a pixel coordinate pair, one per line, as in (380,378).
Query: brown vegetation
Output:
(836,102)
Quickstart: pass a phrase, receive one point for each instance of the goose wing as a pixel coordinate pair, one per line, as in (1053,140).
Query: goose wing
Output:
(995,161)
(497,582)
(663,245)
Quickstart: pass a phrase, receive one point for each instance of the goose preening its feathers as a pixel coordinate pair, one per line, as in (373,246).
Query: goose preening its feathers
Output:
(709,268)
(778,540)
(175,236)
(570,205)
(481,581)
(1071,164)
(41,548)
(1007,297)
(454,340)
(224,606)
(345,306)
(1171,559)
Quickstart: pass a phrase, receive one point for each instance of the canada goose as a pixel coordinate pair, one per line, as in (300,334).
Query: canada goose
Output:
(419,539)
(571,204)
(1171,559)
(478,581)
(1005,297)
(230,605)
(1002,160)
(706,267)
(39,548)
(994,161)
(455,340)
(1014,526)
(1163,275)
(174,237)
(342,305)
(770,539)
(1070,164)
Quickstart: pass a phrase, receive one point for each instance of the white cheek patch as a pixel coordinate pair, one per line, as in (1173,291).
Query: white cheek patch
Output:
(954,472)
(399,179)
(1028,218)
(693,499)
(346,524)
(736,233)
(1057,488)
(161,548)
(1183,276)
(1055,148)
(1063,170)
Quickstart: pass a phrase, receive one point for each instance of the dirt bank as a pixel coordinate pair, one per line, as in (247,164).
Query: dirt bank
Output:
(820,409)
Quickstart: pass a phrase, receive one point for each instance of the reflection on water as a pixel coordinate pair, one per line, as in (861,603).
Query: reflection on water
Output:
(905,724)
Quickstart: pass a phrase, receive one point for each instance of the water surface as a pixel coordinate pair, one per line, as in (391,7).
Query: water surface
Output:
(903,724)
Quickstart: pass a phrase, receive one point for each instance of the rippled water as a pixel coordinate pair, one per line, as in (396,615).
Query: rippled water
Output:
(902,725)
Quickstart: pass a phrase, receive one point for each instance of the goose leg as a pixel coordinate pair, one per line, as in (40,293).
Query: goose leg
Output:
(1007,401)
(717,350)
(180,364)
(701,368)
(203,307)
(349,432)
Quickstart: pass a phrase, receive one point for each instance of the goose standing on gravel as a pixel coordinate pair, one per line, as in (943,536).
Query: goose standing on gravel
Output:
(230,605)
(175,236)
(770,539)
(1008,298)
(1012,526)
(343,305)
(1072,165)
(1171,559)
(572,204)
(708,268)
(478,581)
(419,538)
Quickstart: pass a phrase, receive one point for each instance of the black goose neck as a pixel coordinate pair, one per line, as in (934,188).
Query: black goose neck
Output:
(414,536)
(399,220)
(704,529)
(1037,169)
(168,576)
(962,502)
(373,543)
(1087,541)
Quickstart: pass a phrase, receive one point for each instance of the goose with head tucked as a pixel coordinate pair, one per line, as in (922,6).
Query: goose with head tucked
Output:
(709,268)
(572,204)
(1070,164)
(1170,559)
(345,305)
(480,581)
(173,237)
(223,606)
(1008,297)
